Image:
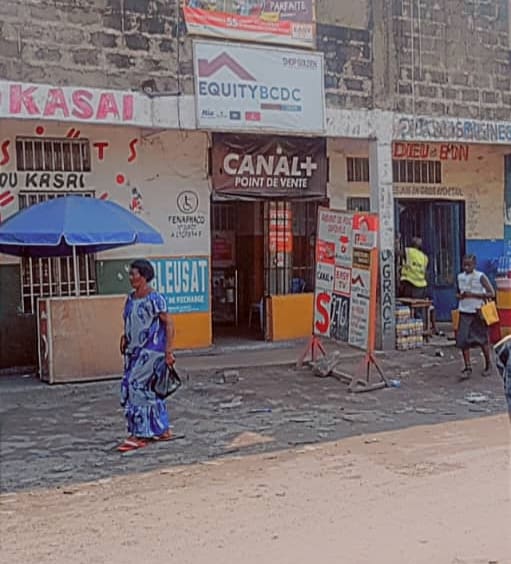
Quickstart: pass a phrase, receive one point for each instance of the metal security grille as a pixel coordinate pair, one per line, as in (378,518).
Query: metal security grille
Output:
(224,217)
(445,263)
(53,155)
(290,238)
(417,171)
(358,204)
(357,169)
(49,277)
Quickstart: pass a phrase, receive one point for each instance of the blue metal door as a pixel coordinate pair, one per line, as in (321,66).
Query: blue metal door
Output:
(441,225)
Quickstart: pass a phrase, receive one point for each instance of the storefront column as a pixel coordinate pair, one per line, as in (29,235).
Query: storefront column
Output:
(382,202)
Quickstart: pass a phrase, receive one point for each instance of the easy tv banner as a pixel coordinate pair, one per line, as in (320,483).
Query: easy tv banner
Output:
(285,22)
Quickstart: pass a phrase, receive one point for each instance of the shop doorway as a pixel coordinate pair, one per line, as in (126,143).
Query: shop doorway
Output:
(237,244)
(258,249)
(441,225)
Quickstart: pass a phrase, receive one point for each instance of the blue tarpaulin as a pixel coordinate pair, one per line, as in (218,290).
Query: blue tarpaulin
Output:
(64,225)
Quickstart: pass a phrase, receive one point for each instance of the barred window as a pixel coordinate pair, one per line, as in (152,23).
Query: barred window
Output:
(53,155)
(417,171)
(291,271)
(357,169)
(358,204)
(50,277)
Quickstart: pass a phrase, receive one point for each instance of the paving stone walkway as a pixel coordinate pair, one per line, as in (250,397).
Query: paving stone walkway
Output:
(58,435)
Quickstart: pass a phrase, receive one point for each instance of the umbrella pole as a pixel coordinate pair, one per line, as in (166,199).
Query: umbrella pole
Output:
(77,272)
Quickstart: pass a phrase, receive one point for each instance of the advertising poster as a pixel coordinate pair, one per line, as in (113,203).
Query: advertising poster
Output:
(282,22)
(281,230)
(269,166)
(280,233)
(184,282)
(223,249)
(254,88)
(346,277)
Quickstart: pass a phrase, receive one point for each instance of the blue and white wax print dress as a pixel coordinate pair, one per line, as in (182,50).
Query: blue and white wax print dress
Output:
(146,336)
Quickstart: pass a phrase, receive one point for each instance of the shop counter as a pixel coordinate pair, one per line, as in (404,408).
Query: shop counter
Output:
(290,316)
(78,338)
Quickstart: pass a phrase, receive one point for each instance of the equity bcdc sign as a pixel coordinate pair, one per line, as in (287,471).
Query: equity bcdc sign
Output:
(255,88)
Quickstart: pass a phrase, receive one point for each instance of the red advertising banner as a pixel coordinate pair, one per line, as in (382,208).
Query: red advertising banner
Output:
(223,249)
(286,22)
(346,277)
(281,230)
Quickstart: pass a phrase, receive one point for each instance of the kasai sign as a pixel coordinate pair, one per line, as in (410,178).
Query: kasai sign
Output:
(258,88)
(90,105)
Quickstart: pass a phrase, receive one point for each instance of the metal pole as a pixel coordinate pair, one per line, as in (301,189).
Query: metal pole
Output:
(76,272)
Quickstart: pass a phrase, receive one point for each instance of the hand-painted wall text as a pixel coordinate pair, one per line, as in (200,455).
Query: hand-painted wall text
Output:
(43,180)
(444,151)
(81,104)
(427,190)
(451,130)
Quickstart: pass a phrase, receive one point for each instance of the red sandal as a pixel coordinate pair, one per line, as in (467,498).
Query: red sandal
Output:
(167,436)
(132,443)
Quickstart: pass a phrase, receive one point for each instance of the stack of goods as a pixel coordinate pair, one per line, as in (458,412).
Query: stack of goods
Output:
(504,267)
(504,295)
(409,331)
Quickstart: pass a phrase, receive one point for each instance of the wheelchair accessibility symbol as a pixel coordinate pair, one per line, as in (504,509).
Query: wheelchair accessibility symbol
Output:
(188,202)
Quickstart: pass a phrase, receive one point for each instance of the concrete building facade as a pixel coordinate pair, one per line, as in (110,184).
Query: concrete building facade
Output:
(417,121)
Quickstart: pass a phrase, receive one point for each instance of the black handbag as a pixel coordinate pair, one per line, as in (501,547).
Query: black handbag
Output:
(166,380)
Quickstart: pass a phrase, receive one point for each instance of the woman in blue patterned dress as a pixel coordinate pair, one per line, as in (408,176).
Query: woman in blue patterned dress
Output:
(146,344)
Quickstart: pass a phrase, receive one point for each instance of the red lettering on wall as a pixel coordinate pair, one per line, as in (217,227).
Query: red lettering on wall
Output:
(20,99)
(107,105)
(73,133)
(4,149)
(399,150)
(83,108)
(411,151)
(463,152)
(133,150)
(101,146)
(56,102)
(127,107)
(421,151)
(452,152)
(64,103)
(444,152)
(6,198)
(323,300)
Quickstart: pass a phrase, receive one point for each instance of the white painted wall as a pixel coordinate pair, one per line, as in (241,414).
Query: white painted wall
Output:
(166,164)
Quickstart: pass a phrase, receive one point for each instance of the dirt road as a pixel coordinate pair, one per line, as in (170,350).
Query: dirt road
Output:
(426,495)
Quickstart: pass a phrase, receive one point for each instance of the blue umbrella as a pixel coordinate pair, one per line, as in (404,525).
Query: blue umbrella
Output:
(72,225)
(55,227)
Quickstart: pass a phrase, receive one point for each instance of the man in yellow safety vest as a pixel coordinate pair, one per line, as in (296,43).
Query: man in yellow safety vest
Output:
(413,271)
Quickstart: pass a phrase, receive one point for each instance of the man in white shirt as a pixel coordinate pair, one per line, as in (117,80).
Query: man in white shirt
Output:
(474,290)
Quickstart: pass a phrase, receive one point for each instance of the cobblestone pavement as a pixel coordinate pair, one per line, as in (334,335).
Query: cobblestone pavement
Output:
(52,436)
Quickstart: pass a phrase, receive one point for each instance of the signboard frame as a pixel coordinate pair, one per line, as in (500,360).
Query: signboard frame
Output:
(346,248)
(345,302)
(247,88)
